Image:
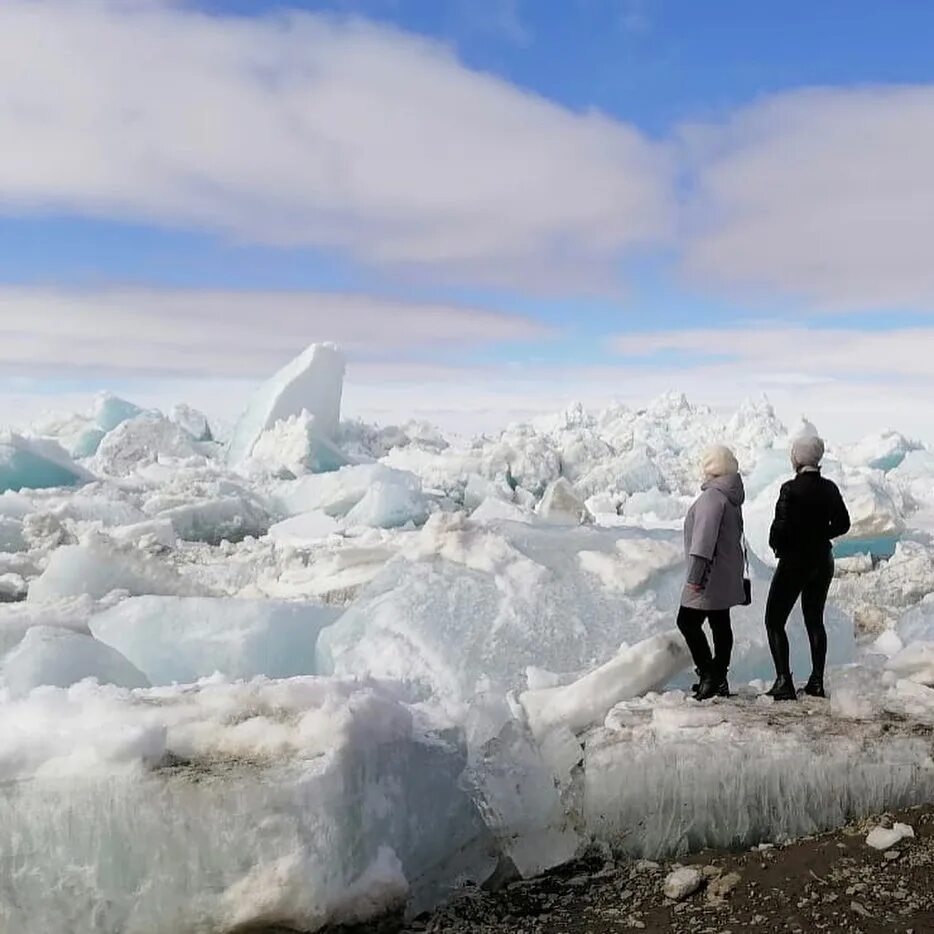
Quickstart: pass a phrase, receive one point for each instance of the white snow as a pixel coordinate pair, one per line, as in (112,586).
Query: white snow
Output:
(312,382)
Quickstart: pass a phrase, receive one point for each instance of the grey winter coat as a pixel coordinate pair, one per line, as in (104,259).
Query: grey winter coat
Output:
(713,531)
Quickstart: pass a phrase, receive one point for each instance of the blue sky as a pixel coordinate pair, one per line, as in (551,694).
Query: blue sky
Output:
(591,199)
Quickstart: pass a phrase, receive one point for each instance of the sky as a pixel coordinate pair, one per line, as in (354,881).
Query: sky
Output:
(497,207)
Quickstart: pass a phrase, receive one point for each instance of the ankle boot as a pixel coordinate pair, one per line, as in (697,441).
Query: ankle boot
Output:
(815,686)
(783,689)
(723,688)
(710,685)
(700,677)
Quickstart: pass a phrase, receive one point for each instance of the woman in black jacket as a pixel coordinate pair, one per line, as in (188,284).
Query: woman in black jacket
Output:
(810,513)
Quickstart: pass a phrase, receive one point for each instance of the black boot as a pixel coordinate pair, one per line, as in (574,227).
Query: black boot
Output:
(711,685)
(783,689)
(723,689)
(700,677)
(815,686)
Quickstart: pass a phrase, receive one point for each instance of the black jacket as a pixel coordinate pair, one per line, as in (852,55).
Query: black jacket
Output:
(809,513)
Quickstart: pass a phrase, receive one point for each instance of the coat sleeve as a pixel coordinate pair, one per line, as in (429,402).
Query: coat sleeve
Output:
(707,518)
(779,533)
(839,516)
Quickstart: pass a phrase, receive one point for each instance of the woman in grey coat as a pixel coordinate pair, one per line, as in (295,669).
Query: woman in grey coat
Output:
(713,546)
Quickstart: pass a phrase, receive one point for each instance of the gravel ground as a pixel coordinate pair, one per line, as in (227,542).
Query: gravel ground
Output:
(833,882)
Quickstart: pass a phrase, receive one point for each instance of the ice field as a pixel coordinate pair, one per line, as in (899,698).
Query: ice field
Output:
(318,669)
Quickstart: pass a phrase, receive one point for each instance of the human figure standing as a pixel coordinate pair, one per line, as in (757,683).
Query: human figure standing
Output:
(713,545)
(810,513)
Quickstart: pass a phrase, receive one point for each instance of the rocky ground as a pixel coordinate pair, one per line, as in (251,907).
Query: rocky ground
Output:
(833,882)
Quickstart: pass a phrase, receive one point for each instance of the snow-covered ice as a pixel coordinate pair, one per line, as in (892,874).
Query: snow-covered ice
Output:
(52,655)
(312,382)
(182,639)
(328,668)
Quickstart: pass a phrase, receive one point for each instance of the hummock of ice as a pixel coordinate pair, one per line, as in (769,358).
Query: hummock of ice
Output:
(293,446)
(482,683)
(95,568)
(312,383)
(179,639)
(293,803)
(192,421)
(140,440)
(61,657)
(36,463)
(366,494)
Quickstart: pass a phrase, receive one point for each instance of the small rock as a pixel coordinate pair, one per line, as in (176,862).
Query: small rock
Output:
(891,855)
(683,883)
(858,909)
(884,838)
(723,886)
(711,872)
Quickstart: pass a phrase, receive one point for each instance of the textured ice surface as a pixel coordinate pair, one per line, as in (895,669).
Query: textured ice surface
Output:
(388,505)
(183,639)
(16,619)
(292,803)
(141,440)
(109,411)
(230,517)
(312,382)
(470,603)
(302,800)
(303,528)
(61,657)
(295,446)
(95,568)
(664,780)
(636,670)
(192,421)
(337,493)
(884,451)
(36,463)
(561,504)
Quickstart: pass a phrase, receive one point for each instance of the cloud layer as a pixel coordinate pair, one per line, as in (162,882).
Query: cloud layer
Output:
(225,333)
(304,130)
(824,194)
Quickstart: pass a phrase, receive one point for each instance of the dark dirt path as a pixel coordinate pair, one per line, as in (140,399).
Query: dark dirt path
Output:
(833,883)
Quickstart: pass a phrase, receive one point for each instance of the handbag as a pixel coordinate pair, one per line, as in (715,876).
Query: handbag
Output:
(747,581)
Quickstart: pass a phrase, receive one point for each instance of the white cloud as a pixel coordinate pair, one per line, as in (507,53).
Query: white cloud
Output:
(825,194)
(793,354)
(225,333)
(297,129)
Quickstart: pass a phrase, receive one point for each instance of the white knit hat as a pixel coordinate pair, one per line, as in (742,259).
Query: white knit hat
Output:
(717,461)
(807,451)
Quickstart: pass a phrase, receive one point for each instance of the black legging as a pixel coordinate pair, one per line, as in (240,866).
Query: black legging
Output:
(691,623)
(811,582)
